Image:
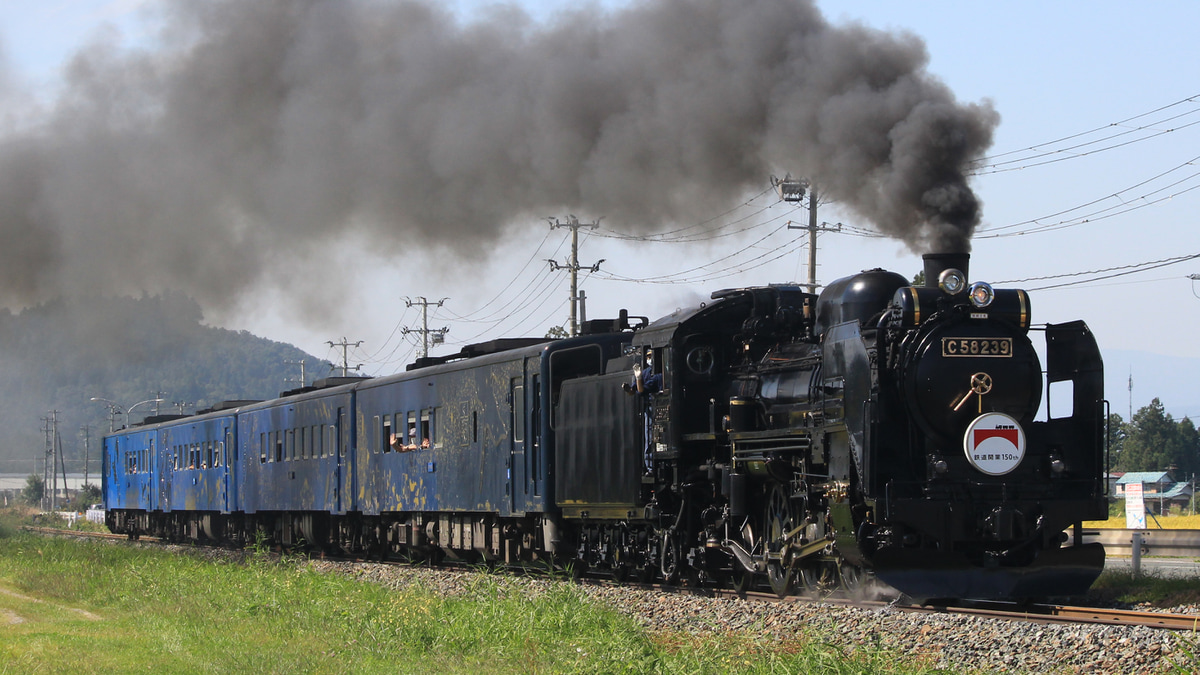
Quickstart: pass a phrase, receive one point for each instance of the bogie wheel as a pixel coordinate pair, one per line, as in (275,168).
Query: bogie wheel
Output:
(779,522)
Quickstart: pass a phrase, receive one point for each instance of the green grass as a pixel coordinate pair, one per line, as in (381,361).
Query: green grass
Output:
(1117,586)
(98,607)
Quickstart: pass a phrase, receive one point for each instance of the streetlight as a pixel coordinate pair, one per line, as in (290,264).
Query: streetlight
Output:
(114,409)
(149,400)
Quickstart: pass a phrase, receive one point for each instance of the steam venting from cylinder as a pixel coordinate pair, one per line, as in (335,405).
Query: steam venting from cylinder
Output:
(255,135)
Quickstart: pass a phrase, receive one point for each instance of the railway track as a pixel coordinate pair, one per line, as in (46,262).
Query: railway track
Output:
(1034,613)
(1039,613)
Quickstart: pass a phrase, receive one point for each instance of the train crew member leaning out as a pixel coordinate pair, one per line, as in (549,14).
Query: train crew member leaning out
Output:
(645,383)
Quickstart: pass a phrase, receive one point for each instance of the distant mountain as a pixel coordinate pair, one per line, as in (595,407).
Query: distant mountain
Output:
(58,356)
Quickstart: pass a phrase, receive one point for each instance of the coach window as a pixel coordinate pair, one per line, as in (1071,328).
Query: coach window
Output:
(262,448)
(278,445)
(385,433)
(305,442)
(219,458)
(318,442)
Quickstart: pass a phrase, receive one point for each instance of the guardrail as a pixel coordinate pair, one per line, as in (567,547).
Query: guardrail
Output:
(1155,543)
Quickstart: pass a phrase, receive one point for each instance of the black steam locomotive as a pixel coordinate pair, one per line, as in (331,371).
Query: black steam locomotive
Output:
(770,436)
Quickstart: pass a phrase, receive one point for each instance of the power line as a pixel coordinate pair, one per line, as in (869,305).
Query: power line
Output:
(990,161)
(1130,205)
(1120,271)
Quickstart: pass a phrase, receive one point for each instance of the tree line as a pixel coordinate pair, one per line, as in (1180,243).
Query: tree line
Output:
(1154,441)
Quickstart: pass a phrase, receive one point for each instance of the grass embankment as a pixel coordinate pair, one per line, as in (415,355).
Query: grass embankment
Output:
(1123,587)
(80,606)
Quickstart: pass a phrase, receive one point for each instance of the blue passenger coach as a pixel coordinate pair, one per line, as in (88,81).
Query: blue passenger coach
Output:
(453,457)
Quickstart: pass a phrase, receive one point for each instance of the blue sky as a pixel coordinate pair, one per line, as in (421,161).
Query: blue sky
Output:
(1102,201)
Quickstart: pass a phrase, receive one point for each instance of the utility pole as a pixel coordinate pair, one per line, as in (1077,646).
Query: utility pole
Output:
(303,375)
(62,460)
(573,264)
(439,334)
(1130,394)
(792,190)
(53,457)
(48,467)
(345,345)
(158,398)
(87,431)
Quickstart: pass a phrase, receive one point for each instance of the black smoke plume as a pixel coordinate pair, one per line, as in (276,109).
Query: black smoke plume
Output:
(253,134)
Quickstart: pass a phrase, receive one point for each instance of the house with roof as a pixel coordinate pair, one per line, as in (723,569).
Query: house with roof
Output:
(1159,489)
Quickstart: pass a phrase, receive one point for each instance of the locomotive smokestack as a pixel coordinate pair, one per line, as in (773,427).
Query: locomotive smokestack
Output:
(936,263)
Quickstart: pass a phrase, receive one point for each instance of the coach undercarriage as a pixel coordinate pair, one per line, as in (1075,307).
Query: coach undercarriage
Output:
(743,555)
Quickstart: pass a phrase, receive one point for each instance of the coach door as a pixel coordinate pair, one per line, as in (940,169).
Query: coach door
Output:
(229,464)
(345,490)
(516,459)
(166,473)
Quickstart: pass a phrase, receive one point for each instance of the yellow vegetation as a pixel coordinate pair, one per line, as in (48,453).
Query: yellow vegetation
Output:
(1164,522)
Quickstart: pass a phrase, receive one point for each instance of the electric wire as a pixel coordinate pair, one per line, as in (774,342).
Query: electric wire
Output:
(1118,271)
(1190,162)
(990,161)
(664,236)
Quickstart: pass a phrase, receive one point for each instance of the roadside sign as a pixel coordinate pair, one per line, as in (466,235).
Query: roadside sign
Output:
(1135,507)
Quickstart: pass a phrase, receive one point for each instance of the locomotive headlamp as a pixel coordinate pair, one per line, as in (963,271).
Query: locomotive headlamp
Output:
(982,294)
(1056,464)
(938,464)
(952,281)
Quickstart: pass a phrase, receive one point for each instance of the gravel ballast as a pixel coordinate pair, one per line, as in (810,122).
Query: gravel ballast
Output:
(957,642)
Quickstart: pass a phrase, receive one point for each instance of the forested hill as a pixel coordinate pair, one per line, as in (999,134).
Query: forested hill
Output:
(58,356)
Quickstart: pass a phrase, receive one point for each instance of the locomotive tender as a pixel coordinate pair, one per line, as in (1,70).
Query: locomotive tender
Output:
(877,427)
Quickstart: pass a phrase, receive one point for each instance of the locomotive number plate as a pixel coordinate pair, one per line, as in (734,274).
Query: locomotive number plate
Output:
(978,347)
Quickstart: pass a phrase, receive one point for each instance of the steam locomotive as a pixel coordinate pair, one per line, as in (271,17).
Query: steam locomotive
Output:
(790,439)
